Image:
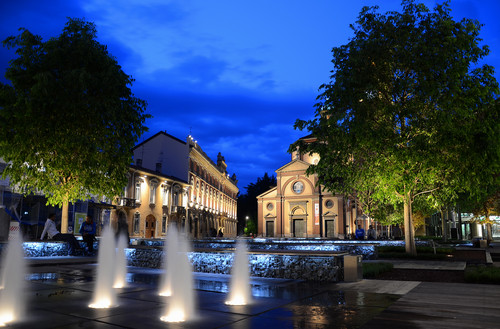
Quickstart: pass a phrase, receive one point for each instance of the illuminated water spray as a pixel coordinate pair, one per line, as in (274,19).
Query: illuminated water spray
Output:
(178,280)
(121,262)
(12,302)
(104,294)
(170,250)
(239,288)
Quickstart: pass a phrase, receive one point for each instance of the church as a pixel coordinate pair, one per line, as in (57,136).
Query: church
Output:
(299,207)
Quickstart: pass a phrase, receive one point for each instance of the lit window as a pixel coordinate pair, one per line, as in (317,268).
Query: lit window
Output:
(175,202)
(165,196)
(152,194)
(138,191)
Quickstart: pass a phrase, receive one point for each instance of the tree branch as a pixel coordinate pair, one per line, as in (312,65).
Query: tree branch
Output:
(423,192)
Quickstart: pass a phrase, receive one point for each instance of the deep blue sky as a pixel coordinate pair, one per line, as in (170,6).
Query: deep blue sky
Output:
(234,74)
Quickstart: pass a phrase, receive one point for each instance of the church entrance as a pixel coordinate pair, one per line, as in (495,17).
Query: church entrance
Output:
(299,228)
(329,228)
(269,228)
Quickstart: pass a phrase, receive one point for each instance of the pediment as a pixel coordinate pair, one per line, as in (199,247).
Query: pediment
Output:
(269,193)
(329,213)
(295,165)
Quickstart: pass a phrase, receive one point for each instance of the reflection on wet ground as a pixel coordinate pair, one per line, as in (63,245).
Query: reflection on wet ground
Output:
(278,303)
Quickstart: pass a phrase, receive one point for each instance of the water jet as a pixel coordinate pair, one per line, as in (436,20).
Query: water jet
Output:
(239,288)
(12,302)
(181,302)
(104,294)
(121,262)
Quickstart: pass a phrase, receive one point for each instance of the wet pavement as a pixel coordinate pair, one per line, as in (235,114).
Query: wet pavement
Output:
(59,290)
(58,297)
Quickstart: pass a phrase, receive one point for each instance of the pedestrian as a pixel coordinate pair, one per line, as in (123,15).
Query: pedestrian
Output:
(51,231)
(396,232)
(87,230)
(371,233)
(360,233)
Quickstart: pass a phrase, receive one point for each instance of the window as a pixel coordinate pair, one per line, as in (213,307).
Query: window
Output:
(158,166)
(175,202)
(138,191)
(175,196)
(152,193)
(138,162)
(329,203)
(137,221)
(165,196)
(298,187)
(270,206)
(164,223)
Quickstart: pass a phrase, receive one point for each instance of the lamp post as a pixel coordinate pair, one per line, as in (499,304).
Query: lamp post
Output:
(246,224)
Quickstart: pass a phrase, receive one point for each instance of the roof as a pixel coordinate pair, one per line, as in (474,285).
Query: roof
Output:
(156,135)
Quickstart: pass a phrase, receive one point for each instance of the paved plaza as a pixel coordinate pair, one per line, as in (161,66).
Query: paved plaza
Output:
(60,289)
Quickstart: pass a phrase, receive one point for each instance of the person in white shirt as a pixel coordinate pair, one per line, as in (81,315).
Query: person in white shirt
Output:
(51,231)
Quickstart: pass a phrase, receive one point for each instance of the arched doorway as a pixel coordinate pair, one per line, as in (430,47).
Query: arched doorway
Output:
(150,227)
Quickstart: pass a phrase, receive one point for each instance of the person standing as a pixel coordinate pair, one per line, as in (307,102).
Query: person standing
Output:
(396,232)
(51,231)
(87,230)
(360,233)
(371,233)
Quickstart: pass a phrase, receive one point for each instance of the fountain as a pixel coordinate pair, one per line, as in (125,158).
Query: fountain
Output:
(104,294)
(12,303)
(170,249)
(239,288)
(121,262)
(178,279)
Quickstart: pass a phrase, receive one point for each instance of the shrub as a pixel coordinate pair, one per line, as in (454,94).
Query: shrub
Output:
(422,252)
(482,274)
(372,270)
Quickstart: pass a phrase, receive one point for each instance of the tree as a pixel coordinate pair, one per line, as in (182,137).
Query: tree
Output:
(406,109)
(68,120)
(247,203)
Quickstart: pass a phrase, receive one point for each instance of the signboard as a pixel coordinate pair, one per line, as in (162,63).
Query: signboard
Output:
(14,229)
(316,214)
(79,219)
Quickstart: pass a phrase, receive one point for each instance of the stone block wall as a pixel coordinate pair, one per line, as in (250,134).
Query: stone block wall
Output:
(287,266)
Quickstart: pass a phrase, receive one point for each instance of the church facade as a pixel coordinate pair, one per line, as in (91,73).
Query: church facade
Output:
(299,207)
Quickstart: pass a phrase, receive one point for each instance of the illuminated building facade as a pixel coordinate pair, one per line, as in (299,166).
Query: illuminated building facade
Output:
(175,182)
(297,207)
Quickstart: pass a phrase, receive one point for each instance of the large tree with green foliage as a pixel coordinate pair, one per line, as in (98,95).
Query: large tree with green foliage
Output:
(408,109)
(68,119)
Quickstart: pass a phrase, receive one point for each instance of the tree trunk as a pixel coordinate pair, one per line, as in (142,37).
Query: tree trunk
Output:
(489,232)
(64,216)
(409,230)
(443,226)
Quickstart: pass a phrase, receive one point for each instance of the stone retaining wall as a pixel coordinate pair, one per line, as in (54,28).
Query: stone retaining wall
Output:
(287,266)
(368,249)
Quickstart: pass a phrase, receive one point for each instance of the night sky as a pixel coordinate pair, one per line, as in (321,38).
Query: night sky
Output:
(233,74)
